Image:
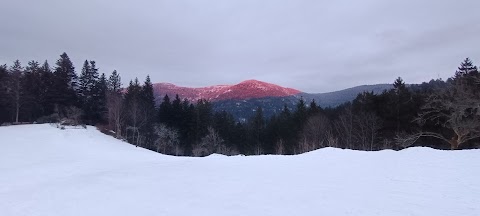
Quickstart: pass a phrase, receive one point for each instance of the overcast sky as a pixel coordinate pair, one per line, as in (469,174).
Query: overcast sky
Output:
(314,46)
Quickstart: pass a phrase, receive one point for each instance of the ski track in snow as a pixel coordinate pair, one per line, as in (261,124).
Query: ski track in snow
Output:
(47,171)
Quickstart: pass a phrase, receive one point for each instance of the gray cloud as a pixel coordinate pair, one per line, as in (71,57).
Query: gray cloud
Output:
(314,46)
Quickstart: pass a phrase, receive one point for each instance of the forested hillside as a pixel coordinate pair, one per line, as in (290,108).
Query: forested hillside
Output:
(439,114)
(245,109)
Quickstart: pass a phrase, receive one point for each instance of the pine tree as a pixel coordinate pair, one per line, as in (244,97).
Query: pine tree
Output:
(92,93)
(115,103)
(257,126)
(466,69)
(188,127)
(65,84)
(148,97)
(467,75)
(135,115)
(86,83)
(148,102)
(4,111)
(286,131)
(224,124)
(203,118)
(165,112)
(32,94)
(313,108)
(399,85)
(16,88)
(100,98)
(402,100)
(115,82)
(47,94)
(300,114)
(176,114)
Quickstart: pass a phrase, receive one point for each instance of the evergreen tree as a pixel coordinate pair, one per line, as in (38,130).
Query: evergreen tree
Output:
(313,108)
(65,84)
(176,112)
(300,115)
(86,81)
(47,94)
(100,98)
(92,93)
(135,115)
(165,111)
(148,102)
(115,103)
(188,129)
(4,111)
(399,85)
(16,88)
(257,127)
(240,135)
(301,111)
(467,68)
(224,124)
(115,82)
(286,133)
(32,85)
(203,118)
(402,104)
(467,75)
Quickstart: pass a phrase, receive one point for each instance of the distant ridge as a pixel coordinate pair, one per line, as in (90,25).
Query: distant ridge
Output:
(248,89)
(243,98)
(254,89)
(332,99)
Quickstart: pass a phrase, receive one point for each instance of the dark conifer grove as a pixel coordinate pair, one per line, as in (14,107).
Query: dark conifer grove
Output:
(438,114)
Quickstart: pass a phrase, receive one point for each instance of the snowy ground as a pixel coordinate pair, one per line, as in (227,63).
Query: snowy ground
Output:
(47,171)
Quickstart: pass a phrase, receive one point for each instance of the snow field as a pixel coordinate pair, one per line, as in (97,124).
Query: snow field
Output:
(47,171)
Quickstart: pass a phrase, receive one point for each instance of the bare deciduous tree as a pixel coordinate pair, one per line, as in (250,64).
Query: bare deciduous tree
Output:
(405,140)
(358,130)
(138,118)
(211,143)
(280,147)
(332,141)
(75,114)
(456,108)
(315,133)
(115,115)
(72,117)
(167,139)
(367,125)
(344,127)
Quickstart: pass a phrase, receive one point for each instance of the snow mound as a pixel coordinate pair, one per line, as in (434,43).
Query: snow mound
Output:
(47,171)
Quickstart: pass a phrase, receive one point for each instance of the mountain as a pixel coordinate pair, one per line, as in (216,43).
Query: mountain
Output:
(244,109)
(242,99)
(332,99)
(245,90)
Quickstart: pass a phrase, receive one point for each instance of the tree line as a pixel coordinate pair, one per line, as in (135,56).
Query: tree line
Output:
(439,114)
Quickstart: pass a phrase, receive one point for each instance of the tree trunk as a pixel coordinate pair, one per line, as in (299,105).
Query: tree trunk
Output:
(454,143)
(18,111)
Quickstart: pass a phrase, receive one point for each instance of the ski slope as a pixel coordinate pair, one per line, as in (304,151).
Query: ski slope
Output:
(45,171)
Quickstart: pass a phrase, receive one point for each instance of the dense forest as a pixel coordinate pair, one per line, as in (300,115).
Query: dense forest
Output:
(439,114)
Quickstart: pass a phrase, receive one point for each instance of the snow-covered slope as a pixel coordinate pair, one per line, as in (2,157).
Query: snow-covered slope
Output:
(47,171)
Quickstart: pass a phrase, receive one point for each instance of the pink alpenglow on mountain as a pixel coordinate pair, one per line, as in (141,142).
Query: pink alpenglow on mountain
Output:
(245,90)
